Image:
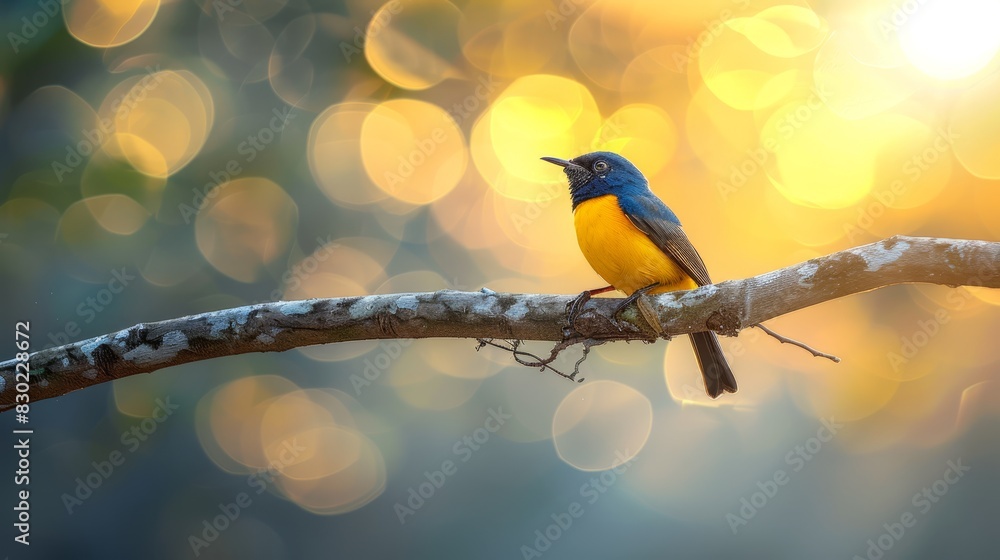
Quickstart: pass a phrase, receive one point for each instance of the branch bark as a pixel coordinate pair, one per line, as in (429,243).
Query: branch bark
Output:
(726,308)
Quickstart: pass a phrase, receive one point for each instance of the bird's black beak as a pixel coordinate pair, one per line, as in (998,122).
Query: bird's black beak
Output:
(576,173)
(557,161)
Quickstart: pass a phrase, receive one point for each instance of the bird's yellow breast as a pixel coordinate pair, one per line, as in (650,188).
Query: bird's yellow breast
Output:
(620,252)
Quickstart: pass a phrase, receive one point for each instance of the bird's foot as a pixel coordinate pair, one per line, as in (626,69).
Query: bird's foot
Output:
(633,298)
(574,309)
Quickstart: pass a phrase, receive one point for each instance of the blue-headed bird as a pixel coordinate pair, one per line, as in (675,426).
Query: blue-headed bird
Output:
(635,242)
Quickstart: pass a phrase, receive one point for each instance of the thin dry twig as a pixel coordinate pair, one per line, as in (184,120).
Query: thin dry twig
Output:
(785,340)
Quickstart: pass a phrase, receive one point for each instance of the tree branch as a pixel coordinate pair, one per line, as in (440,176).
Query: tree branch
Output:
(725,308)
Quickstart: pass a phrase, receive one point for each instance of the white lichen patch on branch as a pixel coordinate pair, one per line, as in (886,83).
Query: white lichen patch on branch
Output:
(698,294)
(668,300)
(92,345)
(363,307)
(218,323)
(517,311)
(170,345)
(295,307)
(486,306)
(408,301)
(878,255)
(242,316)
(806,273)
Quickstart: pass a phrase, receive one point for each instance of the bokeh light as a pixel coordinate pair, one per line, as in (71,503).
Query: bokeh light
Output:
(246,227)
(951,39)
(411,43)
(160,120)
(414,151)
(109,23)
(601,425)
(163,158)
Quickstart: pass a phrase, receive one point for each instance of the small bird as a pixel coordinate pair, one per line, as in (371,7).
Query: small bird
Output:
(635,242)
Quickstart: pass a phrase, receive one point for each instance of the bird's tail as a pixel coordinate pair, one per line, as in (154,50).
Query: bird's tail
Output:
(714,368)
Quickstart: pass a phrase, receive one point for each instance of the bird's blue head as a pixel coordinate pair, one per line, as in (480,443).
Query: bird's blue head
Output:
(600,173)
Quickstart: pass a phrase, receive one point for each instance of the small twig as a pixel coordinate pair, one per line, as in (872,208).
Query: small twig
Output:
(785,340)
(542,363)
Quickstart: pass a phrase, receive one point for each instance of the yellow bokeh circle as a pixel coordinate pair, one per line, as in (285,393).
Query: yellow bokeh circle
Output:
(413,150)
(411,43)
(535,116)
(334,151)
(160,120)
(246,225)
(109,23)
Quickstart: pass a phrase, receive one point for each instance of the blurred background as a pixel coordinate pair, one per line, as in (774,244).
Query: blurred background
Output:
(166,157)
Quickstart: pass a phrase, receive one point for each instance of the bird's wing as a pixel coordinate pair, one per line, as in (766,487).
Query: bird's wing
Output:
(652,217)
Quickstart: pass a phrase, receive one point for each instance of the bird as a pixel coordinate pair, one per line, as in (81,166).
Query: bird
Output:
(636,244)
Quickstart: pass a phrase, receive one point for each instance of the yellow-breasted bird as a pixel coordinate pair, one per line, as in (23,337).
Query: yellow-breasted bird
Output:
(635,242)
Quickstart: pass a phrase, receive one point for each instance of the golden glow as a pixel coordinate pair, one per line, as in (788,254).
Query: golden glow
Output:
(160,120)
(109,23)
(741,74)
(854,89)
(786,31)
(507,38)
(413,150)
(974,121)
(410,42)
(341,177)
(951,39)
(821,159)
(777,130)
(537,114)
(643,133)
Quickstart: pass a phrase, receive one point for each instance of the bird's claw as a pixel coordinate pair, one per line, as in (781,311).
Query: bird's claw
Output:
(643,306)
(575,308)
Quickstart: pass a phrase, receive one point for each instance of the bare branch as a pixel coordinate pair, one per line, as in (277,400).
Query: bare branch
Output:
(725,308)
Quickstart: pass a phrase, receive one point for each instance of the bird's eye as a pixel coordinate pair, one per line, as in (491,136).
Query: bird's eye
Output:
(601,166)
